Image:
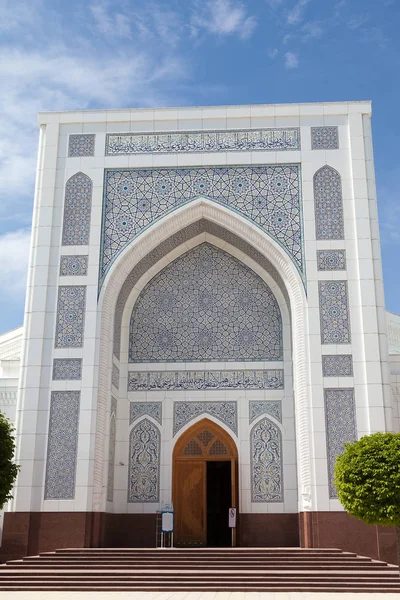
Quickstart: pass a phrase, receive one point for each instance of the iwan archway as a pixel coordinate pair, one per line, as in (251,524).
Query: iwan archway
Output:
(205,485)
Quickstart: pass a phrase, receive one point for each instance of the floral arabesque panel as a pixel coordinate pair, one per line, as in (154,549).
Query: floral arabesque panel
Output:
(331,260)
(337,365)
(206,305)
(81,144)
(62,446)
(257,408)
(115,376)
(139,409)
(268,196)
(77,210)
(266,462)
(340,418)
(325,138)
(334,312)
(67,368)
(328,202)
(144,463)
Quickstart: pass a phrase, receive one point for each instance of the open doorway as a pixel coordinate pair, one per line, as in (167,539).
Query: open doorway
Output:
(204,485)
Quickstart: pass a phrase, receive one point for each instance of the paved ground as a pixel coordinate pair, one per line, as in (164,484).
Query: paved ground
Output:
(192,596)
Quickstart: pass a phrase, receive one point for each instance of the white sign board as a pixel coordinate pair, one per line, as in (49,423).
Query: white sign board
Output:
(167,523)
(232,517)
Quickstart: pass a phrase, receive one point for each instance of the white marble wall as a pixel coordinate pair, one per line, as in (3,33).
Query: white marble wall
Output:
(353,160)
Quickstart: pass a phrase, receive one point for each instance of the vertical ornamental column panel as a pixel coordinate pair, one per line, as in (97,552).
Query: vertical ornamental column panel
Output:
(266,462)
(70,316)
(77,209)
(340,418)
(328,201)
(144,463)
(62,446)
(111,450)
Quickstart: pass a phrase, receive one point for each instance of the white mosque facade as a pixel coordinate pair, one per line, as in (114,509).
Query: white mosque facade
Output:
(204,327)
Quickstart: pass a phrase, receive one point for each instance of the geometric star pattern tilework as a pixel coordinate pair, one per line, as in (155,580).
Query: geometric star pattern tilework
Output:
(62,446)
(337,365)
(187,411)
(81,144)
(139,409)
(111,450)
(324,138)
(265,407)
(334,312)
(205,380)
(70,316)
(67,368)
(205,305)
(266,462)
(331,260)
(203,141)
(77,210)
(144,463)
(268,196)
(73,265)
(328,204)
(340,418)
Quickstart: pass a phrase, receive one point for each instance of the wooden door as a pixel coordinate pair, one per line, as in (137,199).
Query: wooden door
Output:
(190,503)
(203,442)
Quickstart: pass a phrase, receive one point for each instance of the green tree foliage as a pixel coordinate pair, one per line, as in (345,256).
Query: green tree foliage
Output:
(8,469)
(367,479)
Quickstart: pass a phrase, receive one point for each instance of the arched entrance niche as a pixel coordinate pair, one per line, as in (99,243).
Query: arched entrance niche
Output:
(204,485)
(158,246)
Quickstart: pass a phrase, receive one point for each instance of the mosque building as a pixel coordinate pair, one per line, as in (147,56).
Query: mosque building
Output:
(205,327)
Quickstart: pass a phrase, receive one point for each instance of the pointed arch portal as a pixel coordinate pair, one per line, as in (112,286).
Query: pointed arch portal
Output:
(204,485)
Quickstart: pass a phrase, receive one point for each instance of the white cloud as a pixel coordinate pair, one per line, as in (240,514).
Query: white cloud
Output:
(272,53)
(223,17)
(291,60)
(311,30)
(14,252)
(108,23)
(296,14)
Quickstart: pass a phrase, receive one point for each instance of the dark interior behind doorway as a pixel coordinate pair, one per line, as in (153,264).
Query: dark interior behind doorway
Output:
(218,503)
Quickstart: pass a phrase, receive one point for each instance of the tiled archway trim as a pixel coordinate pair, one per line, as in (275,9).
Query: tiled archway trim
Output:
(141,247)
(189,232)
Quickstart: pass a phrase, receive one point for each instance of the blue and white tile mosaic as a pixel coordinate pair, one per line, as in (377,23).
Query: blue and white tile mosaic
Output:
(331,260)
(144,463)
(238,140)
(115,376)
(268,196)
(337,365)
(186,411)
(139,409)
(73,266)
(77,210)
(111,450)
(325,138)
(62,446)
(340,418)
(328,201)
(266,462)
(205,306)
(70,316)
(67,368)
(270,379)
(81,144)
(334,312)
(265,407)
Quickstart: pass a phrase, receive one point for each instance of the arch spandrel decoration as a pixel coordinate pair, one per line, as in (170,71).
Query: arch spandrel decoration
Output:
(328,202)
(77,210)
(144,463)
(266,462)
(208,306)
(268,196)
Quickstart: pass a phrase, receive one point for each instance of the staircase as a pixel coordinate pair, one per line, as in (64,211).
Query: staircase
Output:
(199,569)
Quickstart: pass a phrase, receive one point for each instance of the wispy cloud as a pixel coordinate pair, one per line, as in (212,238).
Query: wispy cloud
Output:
(223,17)
(110,23)
(272,53)
(311,30)
(291,60)
(296,14)
(14,252)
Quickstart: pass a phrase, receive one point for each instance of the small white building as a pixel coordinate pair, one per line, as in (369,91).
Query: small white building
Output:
(204,325)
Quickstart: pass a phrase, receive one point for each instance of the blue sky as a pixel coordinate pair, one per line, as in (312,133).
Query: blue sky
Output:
(58,55)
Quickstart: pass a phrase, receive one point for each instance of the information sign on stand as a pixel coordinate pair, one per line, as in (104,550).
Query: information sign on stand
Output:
(232,522)
(167,524)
